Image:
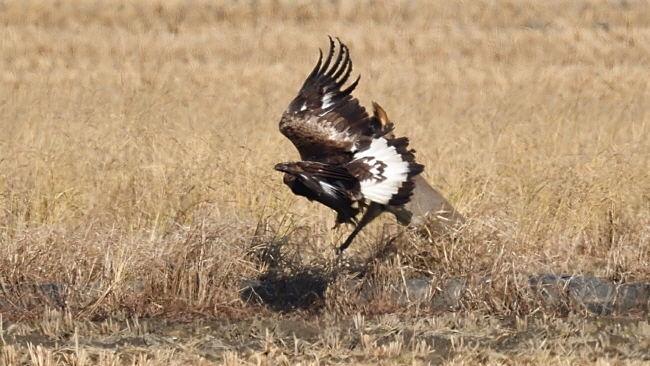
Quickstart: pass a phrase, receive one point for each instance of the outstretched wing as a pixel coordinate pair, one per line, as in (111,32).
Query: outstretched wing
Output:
(324,122)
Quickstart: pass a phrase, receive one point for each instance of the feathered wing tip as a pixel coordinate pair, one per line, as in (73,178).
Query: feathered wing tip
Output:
(339,72)
(385,170)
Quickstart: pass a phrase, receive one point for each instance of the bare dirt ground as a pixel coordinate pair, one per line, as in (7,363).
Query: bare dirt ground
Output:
(452,338)
(137,193)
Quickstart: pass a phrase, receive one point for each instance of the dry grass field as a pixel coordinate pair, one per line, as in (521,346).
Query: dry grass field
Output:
(136,167)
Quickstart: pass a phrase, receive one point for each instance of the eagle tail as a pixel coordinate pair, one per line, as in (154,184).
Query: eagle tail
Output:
(385,170)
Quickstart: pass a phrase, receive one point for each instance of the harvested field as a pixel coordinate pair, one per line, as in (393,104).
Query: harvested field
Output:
(141,220)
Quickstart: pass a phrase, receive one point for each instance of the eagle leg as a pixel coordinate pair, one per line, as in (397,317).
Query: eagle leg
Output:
(374,210)
(342,219)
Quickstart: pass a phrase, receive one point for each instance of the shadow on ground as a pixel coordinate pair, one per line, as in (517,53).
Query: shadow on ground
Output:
(288,292)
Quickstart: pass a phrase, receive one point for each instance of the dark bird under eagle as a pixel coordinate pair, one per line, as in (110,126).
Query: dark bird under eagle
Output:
(351,161)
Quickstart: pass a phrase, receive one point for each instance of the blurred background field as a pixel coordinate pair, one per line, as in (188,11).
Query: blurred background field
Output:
(139,137)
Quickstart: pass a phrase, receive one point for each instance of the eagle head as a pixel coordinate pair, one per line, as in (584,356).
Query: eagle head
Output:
(297,187)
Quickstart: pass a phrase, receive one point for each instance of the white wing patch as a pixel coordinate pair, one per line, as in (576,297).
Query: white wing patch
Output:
(328,188)
(327,102)
(380,189)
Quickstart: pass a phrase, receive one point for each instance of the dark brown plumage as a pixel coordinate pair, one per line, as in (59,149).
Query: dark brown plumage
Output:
(330,185)
(350,160)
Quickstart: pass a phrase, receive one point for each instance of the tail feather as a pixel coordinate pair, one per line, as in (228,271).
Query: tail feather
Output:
(385,169)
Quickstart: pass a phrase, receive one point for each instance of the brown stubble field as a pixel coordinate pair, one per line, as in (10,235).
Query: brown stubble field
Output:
(136,167)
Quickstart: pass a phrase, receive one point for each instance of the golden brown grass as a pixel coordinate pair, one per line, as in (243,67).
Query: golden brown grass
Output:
(138,140)
(450,338)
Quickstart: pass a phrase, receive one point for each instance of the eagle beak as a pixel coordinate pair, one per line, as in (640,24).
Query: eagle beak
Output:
(281,167)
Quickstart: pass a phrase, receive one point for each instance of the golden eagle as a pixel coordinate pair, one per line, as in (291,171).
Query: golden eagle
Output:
(348,157)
